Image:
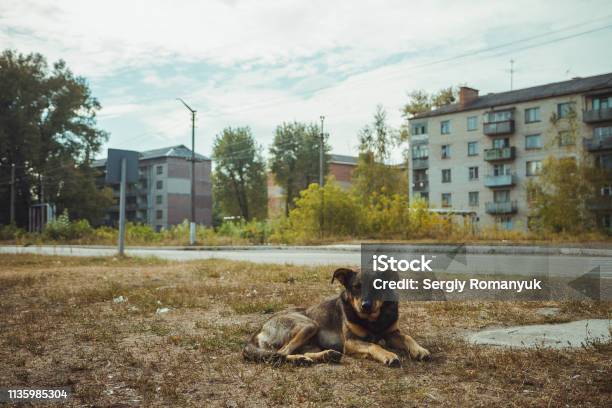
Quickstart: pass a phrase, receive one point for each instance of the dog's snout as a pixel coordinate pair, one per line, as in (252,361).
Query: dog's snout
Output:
(366,305)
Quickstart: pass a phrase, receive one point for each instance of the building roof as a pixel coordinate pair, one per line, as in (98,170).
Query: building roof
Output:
(343,159)
(573,86)
(180,151)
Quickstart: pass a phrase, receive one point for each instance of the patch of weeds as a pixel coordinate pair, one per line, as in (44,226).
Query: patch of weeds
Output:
(215,338)
(89,392)
(10,282)
(203,272)
(241,306)
(159,328)
(29,341)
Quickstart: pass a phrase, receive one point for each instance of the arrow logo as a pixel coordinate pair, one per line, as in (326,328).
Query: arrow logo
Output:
(588,284)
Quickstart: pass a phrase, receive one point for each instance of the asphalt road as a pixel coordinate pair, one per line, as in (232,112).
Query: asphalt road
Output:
(505,264)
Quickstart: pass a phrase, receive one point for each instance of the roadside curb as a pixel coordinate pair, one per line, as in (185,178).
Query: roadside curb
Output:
(424,248)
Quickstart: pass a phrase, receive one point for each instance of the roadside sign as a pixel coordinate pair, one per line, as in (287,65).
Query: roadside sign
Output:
(113,166)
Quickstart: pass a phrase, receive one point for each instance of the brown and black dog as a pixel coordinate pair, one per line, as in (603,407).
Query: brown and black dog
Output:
(345,324)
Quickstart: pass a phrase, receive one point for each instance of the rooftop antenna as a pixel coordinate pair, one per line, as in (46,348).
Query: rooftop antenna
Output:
(511,74)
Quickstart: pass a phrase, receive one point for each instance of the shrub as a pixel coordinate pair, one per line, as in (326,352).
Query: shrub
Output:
(62,229)
(10,232)
(341,213)
(386,216)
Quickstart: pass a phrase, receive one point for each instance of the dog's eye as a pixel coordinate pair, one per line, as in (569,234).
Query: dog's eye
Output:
(357,286)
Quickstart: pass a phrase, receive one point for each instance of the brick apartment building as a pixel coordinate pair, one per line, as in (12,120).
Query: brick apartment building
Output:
(162,196)
(477,155)
(340,166)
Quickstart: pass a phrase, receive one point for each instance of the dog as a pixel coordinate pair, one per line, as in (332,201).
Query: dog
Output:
(346,324)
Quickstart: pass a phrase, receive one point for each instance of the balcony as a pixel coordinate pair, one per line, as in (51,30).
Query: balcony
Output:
(416,139)
(420,185)
(504,153)
(504,207)
(420,163)
(499,128)
(601,204)
(598,145)
(597,115)
(504,180)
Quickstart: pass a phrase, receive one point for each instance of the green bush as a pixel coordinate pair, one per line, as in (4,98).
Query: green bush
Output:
(62,229)
(341,214)
(10,232)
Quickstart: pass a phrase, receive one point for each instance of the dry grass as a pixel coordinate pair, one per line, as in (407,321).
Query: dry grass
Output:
(60,326)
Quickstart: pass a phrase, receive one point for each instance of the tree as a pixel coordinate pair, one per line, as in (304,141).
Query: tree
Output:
(48,132)
(295,158)
(239,184)
(373,174)
(559,199)
(420,101)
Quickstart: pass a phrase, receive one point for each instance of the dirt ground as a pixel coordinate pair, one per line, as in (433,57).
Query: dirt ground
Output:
(59,326)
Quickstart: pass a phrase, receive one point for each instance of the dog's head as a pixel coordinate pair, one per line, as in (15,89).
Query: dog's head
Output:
(356,294)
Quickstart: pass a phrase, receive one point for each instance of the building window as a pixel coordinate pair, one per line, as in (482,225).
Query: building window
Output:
(501,143)
(446,199)
(473,173)
(565,109)
(159,169)
(446,151)
(445,127)
(159,214)
(602,102)
(605,161)
(534,167)
(602,133)
(501,196)
(499,116)
(501,170)
(606,191)
(532,115)
(606,221)
(159,199)
(566,139)
(533,141)
(159,184)
(473,198)
(420,129)
(505,222)
(472,122)
(420,151)
(446,175)
(472,148)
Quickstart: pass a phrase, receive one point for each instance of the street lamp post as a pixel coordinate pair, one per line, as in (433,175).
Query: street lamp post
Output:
(192,225)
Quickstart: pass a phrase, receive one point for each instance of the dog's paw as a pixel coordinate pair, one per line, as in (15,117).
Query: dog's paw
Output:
(332,356)
(301,361)
(393,361)
(420,353)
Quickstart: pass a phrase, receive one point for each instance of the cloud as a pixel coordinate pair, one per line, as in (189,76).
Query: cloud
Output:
(264,62)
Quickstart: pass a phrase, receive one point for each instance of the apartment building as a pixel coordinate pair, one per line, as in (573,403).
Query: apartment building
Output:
(477,155)
(162,196)
(340,166)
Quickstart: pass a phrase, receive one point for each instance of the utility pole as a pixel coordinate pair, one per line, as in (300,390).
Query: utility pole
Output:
(322,136)
(12,193)
(192,225)
(322,212)
(122,189)
(511,74)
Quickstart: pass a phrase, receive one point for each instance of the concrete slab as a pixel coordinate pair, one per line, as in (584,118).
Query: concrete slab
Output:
(548,311)
(573,334)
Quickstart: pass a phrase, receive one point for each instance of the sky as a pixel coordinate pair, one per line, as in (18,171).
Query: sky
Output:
(264,62)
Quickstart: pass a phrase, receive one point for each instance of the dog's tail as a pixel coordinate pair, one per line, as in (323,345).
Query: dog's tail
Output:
(260,355)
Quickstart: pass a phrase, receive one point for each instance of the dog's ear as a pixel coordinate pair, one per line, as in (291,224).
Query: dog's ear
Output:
(343,275)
